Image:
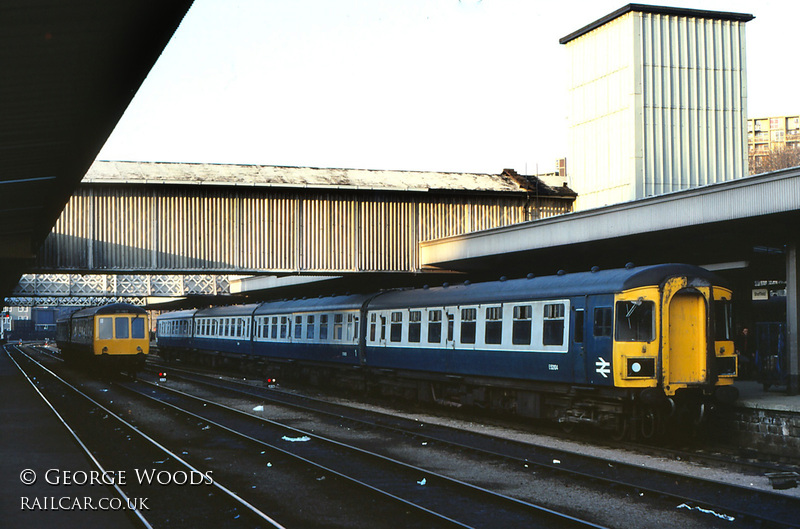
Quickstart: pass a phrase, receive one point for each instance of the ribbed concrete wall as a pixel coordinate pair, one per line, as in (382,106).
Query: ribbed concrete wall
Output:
(658,103)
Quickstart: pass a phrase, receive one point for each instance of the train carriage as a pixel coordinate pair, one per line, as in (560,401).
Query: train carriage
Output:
(606,347)
(114,336)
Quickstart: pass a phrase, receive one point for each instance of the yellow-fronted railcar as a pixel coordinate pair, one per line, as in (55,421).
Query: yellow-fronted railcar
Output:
(673,344)
(114,336)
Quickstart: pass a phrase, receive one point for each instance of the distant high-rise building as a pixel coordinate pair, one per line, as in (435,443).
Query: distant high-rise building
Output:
(765,135)
(658,102)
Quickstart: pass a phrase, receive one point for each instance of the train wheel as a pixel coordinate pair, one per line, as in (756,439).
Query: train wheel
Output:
(649,423)
(567,427)
(621,427)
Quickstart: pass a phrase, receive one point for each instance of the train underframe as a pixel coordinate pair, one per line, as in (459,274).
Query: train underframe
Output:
(623,413)
(105,363)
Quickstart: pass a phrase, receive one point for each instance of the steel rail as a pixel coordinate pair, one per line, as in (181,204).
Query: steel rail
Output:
(76,437)
(432,478)
(722,496)
(254,510)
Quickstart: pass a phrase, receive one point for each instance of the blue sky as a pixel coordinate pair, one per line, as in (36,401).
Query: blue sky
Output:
(444,85)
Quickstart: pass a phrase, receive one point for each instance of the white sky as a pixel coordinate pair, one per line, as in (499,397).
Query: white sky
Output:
(431,85)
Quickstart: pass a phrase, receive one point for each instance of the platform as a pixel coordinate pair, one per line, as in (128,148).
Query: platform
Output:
(33,438)
(752,395)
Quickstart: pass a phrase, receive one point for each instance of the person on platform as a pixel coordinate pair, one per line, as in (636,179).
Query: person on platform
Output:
(745,348)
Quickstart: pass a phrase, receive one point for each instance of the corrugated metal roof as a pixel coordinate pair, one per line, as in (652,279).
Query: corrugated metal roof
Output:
(297,177)
(661,10)
(745,198)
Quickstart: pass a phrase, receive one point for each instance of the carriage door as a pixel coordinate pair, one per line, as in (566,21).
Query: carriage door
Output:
(597,340)
(577,347)
(687,337)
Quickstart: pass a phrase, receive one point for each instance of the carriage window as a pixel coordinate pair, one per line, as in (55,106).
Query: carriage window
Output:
(137,328)
(578,337)
(434,326)
(105,328)
(338,325)
(298,327)
(323,327)
(553,324)
(310,328)
(602,321)
(521,329)
(274,327)
(352,327)
(396,329)
(450,327)
(635,321)
(468,317)
(284,326)
(121,327)
(372,326)
(494,325)
(414,326)
(239,327)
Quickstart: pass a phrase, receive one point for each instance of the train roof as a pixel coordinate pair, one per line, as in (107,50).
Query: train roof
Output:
(227,310)
(112,308)
(345,302)
(545,287)
(177,315)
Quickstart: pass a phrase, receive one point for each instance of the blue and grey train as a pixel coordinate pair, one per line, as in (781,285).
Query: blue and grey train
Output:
(616,348)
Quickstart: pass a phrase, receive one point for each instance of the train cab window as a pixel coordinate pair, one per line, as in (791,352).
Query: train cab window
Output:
(414,326)
(635,321)
(310,327)
(468,317)
(298,327)
(338,326)
(521,328)
(434,326)
(396,328)
(602,321)
(723,320)
(105,328)
(137,328)
(121,327)
(494,325)
(553,324)
(578,333)
(323,326)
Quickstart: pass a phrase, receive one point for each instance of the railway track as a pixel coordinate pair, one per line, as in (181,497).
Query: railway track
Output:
(436,500)
(152,472)
(746,504)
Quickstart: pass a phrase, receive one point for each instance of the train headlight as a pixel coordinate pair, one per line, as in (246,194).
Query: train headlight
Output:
(641,367)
